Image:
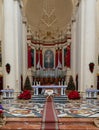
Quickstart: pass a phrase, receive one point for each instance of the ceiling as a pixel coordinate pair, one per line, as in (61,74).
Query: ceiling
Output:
(48,19)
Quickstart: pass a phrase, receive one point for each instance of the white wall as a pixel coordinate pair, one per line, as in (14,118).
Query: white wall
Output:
(97,35)
(0,19)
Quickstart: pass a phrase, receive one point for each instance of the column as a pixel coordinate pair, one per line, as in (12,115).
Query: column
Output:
(1,20)
(9,46)
(24,49)
(73,49)
(89,42)
(80,36)
(18,43)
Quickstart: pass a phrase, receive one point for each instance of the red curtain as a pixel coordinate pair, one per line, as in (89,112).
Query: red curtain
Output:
(68,56)
(56,58)
(29,57)
(1,83)
(37,57)
(41,58)
(60,56)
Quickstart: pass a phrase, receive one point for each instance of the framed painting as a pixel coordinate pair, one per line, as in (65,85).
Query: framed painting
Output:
(48,59)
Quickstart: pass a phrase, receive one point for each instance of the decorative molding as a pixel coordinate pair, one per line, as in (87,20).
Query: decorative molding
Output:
(48,17)
(24,20)
(20,3)
(76,2)
(49,44)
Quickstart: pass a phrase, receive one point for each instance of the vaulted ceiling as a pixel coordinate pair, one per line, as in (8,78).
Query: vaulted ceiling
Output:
(47,17)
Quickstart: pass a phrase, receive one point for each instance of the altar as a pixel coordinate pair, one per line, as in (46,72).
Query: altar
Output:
(62,87)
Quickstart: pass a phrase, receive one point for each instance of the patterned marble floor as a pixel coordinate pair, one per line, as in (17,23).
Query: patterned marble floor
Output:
(17,112)
(70,108)
(78,108)
(22,108)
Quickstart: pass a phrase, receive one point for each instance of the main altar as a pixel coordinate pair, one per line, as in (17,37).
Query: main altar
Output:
(51,87)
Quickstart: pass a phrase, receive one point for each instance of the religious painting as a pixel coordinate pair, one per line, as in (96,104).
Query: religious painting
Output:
(48,59)
(32,57)
(65,50)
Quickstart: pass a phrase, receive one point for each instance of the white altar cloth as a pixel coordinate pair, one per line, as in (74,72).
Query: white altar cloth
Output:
(49,92)
(63,88)
(49,86)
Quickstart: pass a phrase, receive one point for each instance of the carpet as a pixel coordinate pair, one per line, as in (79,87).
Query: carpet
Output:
(49,119)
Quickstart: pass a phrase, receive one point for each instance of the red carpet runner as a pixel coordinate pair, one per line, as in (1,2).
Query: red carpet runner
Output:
(49,120)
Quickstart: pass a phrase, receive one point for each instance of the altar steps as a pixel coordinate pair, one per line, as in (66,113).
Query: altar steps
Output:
(42,99)
(60,99)
(38,98)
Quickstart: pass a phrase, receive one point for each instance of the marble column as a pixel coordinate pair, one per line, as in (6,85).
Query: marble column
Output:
(1,20)
(24,49)
(9,46)
(73,49)
(18,43)
(89,42)
(80,46)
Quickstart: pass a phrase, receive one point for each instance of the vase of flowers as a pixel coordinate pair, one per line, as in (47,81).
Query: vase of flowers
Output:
(74,95)
(26,94)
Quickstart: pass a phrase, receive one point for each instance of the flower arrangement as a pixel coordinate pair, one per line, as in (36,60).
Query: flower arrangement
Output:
(26,94)
(74,95)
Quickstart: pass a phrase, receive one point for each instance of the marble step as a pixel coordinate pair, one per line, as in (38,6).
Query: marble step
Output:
(42,98)
(38,98)
(60,99)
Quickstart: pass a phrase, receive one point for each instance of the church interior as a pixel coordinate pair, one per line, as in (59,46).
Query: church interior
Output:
(49,64)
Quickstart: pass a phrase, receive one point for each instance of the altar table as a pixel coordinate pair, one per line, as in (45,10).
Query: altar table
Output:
(63,88)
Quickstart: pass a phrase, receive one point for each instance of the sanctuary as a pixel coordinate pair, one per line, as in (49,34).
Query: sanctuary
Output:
(43,43)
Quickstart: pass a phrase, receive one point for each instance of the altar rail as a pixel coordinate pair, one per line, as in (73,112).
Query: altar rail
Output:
(8,93)
(91,93)
(63,88)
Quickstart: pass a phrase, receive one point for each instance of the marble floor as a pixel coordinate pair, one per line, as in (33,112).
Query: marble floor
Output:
(78,108)
(72,115)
